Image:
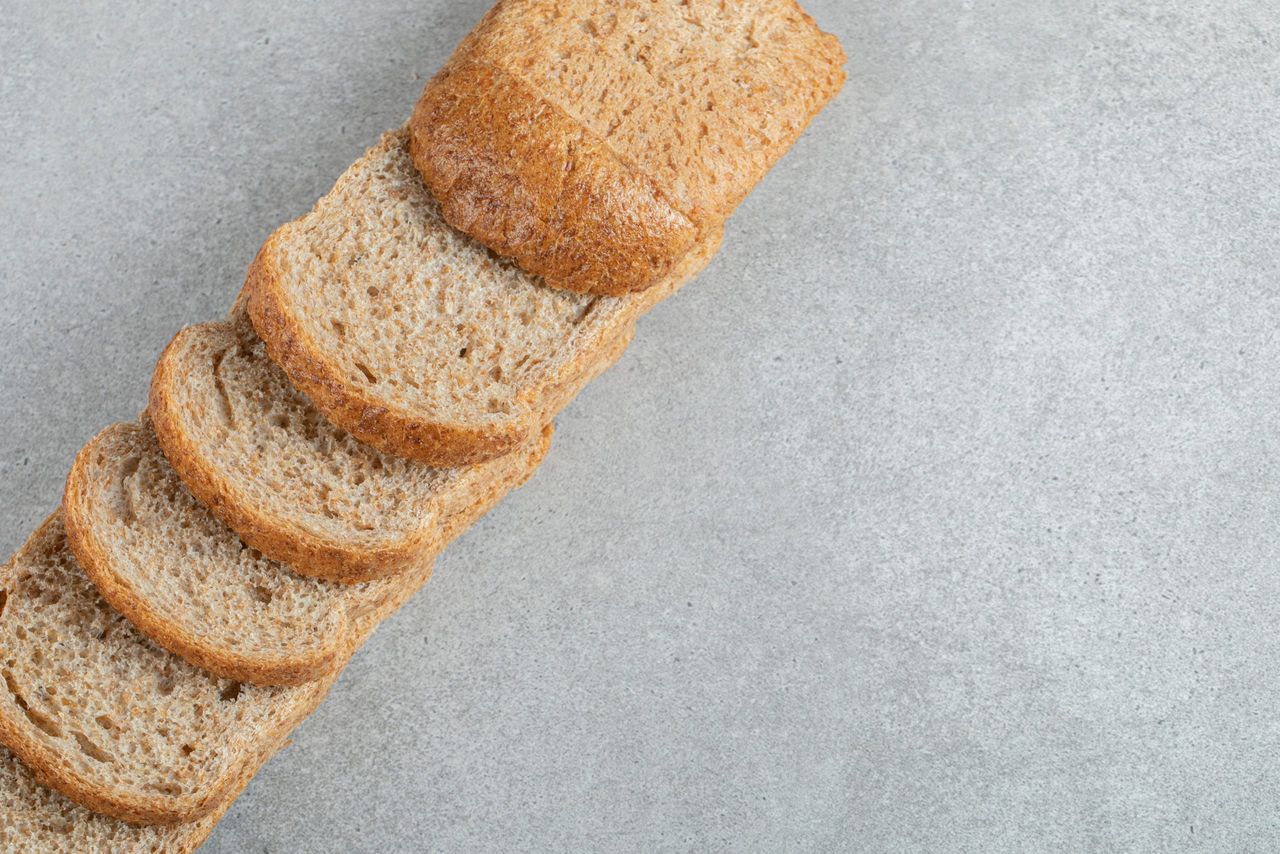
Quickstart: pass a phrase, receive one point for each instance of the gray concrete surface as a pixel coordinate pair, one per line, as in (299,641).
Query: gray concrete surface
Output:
(941,514)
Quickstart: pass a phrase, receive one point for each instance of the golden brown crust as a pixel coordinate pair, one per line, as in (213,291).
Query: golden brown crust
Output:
(330,559)
(350,407)
(535,144)
(95,560)
(517,174)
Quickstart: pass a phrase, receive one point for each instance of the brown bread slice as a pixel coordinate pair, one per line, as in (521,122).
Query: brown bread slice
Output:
(595,143)
(37,820)
(412,337)
(292,485)
(113,721)
(184,579)
(120,726)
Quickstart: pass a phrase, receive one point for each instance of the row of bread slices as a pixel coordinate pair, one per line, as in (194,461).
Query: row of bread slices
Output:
(214,565)
(382,381)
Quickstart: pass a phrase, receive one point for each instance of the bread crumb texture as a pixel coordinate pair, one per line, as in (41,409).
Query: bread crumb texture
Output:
(186,580)
(38,820)
(292,484)
(109,718)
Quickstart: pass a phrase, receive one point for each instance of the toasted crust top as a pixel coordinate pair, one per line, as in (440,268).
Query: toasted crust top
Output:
(596,143)
(517,173)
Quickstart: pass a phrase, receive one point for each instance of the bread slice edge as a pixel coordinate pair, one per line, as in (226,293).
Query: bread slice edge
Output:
(307,552)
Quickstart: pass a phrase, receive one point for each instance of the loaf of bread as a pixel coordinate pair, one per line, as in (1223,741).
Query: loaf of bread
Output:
(597,143)
(384,379)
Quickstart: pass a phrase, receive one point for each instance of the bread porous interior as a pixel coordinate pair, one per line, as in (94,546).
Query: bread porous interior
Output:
(168,550)
(33,818)
(126,716)
(276,452)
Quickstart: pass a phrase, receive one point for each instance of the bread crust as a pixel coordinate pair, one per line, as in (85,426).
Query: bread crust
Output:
(516,165)
(95,559)
(517,174)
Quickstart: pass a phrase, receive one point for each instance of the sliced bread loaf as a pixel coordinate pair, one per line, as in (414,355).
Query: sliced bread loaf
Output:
(189,583)
(108,718)
(292,485)
(595,143)
(415,339)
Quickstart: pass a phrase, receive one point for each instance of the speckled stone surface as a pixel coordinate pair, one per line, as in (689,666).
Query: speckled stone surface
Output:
(940,515)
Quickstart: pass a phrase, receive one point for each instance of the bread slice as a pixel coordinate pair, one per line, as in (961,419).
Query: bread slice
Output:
(36,819)
(111,720)
(291,484)
(595,143)
(185,580)
(412,337)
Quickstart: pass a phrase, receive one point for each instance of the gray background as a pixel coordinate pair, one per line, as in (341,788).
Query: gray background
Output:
(941,514)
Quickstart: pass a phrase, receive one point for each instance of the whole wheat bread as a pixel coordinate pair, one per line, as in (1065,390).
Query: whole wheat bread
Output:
(595,143)
(37,820)
(412,337)
(185,580)
(189,583)
(118,725)
(291,484)
(109,719)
